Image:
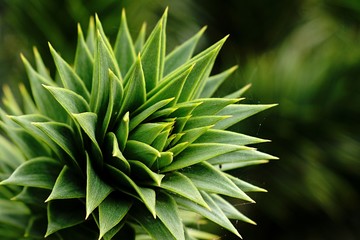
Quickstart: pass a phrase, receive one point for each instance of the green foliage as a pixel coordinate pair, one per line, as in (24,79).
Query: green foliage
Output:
(121,144)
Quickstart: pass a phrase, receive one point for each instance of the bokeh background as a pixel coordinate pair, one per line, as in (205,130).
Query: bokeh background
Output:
(302,54)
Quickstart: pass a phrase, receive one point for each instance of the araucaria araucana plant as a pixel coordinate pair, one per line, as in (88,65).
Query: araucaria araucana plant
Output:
(126,143)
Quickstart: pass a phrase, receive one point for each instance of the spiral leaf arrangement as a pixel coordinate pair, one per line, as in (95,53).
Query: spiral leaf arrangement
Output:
(126,143)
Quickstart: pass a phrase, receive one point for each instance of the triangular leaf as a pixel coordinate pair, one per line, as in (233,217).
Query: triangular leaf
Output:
(68,77)
(63,214)
(223,136)
(245,186)
(96,189)
(63,136)
(67,186)
(214,82)
(210,179)
(114,155)
(147,132)
(83,64)
(145,173)
(229,210)
(69,100)
(124,48)
(239,92)
(38,172)
(196,153)
(91,36)
(203,64)
(32,196)
(140,117)
(211,106)
(28,103)
(107,219)
(42,97)
(134,91)
(182,53)
(167,211)
(215,214)
(122,131)
(153,54)
(169,88)
(140,40)
(40,66)
(141,151)
(146,195)
(103,61)
(153,226)
(181,185)
(239,112)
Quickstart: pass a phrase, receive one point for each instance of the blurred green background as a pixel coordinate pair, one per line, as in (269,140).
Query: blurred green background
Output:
(302,54)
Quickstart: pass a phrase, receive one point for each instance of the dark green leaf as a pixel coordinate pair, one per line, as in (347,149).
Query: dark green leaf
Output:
(63,136)
(96,189)
(68,185)
(103,61)
(64,214)
(69,78)
(145,173)
(153,226)
(32,196)
(38,172)
(84,61)
(111,211)
(69,100)
(42,97)
(146,195)
(141,151)
(114,155)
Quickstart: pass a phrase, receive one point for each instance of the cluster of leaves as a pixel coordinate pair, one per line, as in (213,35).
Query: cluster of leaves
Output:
(126,142)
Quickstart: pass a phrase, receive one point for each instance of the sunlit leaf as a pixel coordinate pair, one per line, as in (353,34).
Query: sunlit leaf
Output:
(214,82)
(182,53)
(210,179)
(124,48)
(197,153)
